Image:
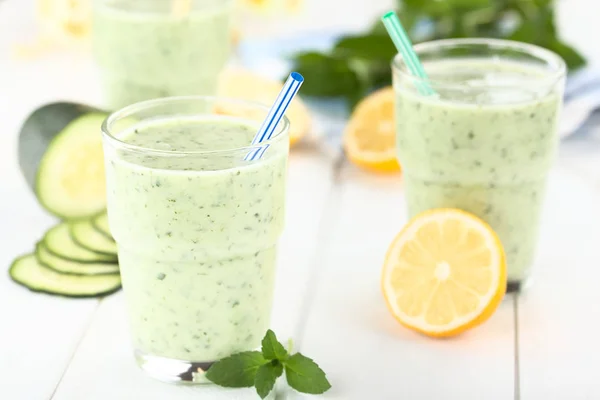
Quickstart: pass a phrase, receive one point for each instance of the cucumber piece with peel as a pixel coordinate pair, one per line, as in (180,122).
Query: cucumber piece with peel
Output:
(85,235)
(29,272)
(59,242)
(64,266)
(60,155)
(100,223)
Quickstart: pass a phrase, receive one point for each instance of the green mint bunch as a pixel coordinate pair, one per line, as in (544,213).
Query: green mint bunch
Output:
(261,369)
(358,64)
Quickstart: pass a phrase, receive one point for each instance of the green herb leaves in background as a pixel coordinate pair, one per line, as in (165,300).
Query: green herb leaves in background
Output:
(261,369)
(358,64)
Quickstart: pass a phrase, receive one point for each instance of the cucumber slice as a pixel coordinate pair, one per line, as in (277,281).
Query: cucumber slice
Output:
(27,271)
(60,154)
(65,266)
(59,242)
(84,234)
(100,223)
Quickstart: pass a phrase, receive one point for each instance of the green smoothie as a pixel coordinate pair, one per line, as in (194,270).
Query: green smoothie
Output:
(145,50)
(486,151)
(197,235)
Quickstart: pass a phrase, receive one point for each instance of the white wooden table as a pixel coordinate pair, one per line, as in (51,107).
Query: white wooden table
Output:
(541,345)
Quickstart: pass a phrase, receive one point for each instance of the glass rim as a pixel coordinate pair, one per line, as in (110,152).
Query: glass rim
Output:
(549,57)
(280,134)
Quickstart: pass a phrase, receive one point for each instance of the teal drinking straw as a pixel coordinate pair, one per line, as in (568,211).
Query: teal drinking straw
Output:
(403,44)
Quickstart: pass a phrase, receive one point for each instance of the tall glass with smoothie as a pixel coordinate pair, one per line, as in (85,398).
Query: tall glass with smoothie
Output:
(197,227)
(148,49)
(486,137)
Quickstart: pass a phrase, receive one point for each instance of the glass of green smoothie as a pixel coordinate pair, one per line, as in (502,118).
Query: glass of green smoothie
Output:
(146,49)
(196,227)
(486,137)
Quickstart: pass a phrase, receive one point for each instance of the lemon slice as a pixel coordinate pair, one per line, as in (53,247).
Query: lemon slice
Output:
(444,273)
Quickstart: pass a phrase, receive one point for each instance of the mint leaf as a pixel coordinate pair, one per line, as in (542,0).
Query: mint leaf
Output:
(272,349)
(266,376)
(371,47)
(326,75)
(571,56)
(236,371)
(304,375)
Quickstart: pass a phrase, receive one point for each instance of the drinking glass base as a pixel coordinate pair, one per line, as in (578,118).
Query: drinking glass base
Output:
(172,370)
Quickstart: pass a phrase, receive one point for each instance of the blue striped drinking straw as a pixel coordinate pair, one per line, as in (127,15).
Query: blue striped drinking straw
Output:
(267,129)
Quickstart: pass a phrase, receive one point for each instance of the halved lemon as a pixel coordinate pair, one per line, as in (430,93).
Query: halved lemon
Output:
(444,273)
(370,136)
(246,85)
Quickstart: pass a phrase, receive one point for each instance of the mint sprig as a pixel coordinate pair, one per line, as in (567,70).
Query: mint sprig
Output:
(261,369)
(236,371)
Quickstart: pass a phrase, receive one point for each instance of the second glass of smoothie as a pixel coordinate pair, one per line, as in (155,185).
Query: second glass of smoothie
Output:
(486,137)
(197,227)
(147,49)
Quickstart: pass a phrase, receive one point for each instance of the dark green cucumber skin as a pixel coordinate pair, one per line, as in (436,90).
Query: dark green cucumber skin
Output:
(35,290)
(38,131)
(98,229)
(83,265)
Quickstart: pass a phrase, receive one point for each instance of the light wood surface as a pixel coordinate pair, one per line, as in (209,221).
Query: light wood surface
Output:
(542,345)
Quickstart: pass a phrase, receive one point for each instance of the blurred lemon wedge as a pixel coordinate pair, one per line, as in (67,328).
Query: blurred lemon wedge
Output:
(370,135)
(247,85)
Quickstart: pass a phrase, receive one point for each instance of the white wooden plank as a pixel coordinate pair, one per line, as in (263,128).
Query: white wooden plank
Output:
(559,316)
(38,333)
(104,367)
(105,354)
(581,152)
(366,354)
(309,184)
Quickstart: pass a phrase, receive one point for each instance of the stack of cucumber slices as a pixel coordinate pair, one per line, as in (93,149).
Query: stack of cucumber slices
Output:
(60,154)
(74,259)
